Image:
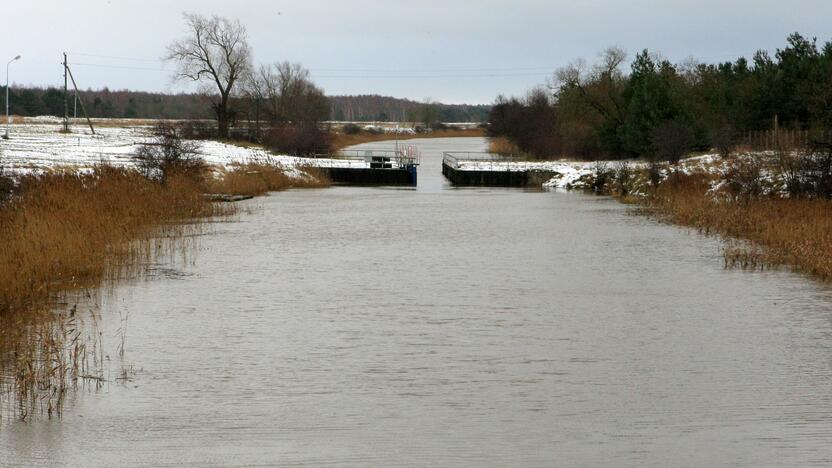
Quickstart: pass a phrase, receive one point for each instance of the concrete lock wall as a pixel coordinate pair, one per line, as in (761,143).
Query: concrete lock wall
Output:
(371,176)
(496,178)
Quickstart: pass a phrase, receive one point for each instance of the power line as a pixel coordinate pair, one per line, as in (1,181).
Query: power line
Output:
(350,76)
(434,70)
(385,71)
(480,75)
(124,67)
(113,57)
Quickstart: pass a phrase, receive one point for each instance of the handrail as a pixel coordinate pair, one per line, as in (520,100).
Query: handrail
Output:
(489,161)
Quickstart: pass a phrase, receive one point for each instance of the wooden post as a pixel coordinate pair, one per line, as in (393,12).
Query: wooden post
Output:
(83,109)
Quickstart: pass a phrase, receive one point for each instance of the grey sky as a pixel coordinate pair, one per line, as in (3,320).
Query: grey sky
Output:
(450,50)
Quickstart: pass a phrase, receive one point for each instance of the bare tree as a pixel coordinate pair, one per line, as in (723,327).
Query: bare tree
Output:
(291,96)
(215,52)
(600,87)
(255,88)
(168,153)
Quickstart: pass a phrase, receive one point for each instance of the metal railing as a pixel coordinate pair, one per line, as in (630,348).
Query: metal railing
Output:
(381,159)
(488,161)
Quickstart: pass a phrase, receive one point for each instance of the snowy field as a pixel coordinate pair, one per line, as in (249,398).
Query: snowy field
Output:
(38,145)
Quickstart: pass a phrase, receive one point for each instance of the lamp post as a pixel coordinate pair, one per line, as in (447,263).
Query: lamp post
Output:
(8,117)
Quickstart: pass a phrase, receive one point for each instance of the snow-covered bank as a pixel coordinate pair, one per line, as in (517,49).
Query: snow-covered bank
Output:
(581,174)
(36,146)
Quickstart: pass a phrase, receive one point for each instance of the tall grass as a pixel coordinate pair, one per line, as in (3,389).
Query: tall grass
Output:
(72,231)
(258,178)
(503,146)
(767,231)
(66,230)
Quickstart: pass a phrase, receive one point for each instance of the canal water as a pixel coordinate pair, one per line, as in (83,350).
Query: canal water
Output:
(451,327)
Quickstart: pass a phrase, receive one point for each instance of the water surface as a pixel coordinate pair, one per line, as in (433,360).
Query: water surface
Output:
(454,327)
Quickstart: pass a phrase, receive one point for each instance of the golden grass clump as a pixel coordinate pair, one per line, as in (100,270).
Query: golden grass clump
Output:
(73,231)
(503,146)
(67,231)
(774,231)
(259,178)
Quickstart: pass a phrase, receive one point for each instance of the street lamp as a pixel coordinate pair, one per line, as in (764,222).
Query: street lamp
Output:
(8,117)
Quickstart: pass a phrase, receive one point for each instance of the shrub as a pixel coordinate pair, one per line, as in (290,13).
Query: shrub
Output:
(744,178)
(601,177)
(300,141)
(169,154)
(351,129)
(724,139)
(671,140)
(6,186)
(623,178)
(198,129)
(654,174)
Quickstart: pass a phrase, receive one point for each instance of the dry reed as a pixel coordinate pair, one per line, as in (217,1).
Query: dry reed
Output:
(66,230)
(503,146)
(258,178)
(69,231)
(765,231)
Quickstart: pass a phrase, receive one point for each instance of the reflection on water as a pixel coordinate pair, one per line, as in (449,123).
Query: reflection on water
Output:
(369,326)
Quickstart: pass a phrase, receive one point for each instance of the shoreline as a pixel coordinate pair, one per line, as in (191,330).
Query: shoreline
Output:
(743,199)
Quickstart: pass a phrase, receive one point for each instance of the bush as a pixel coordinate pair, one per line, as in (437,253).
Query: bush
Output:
(299,141)
(654,174)
(601,177)
(351,129)
(807,171)
(744,178)
(671,140)
(6,186)
(169,154)
(198,129)
(724,139)
(623,178)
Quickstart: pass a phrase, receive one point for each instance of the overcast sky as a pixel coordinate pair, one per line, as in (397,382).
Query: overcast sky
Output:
(449,50)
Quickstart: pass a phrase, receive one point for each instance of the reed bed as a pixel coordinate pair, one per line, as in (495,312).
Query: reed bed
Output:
(66,232)
(503,146)
(258,178)
(762,231)
(71,232)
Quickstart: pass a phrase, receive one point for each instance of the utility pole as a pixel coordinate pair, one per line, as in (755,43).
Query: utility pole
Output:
(83,109)
(66,99)
(8,116)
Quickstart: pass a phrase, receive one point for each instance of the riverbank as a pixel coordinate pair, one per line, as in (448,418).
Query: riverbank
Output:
(748,199)
(70,226)
(744,199)
(760,232)
(481,336)
(67,233)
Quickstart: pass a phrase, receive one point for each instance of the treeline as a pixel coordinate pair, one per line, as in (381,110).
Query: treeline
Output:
(367,108)
(661,110)
(106,103)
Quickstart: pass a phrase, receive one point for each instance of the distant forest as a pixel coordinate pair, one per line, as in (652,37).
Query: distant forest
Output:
(365,108)
(106,103)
